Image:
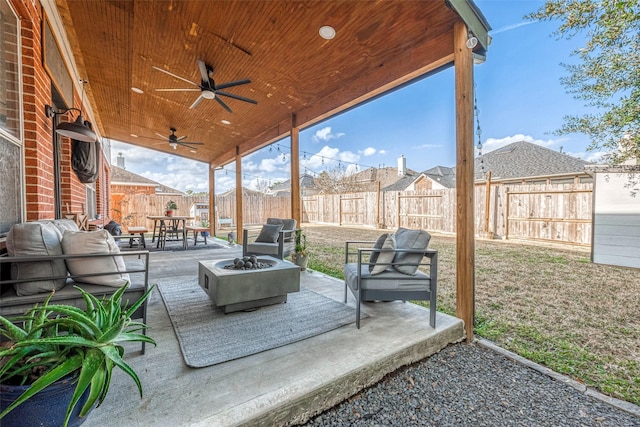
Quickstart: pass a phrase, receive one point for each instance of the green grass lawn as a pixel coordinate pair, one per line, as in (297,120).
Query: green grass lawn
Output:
(548,304)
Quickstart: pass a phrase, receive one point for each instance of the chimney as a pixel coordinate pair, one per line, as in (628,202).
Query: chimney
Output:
(120,161)
(402,166)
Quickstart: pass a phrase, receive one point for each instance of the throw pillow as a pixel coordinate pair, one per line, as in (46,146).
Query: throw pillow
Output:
(36,238)
(407,263)
(380,261)
(269,233)
(94,242)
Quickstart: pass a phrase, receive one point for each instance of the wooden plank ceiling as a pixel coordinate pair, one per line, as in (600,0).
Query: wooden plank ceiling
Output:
(275,44)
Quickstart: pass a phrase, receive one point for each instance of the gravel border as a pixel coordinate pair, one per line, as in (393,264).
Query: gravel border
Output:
(478,384)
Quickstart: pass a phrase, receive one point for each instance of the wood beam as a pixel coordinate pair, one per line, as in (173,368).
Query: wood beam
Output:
(296,210)
(239,224)
(465,250)
(212,200)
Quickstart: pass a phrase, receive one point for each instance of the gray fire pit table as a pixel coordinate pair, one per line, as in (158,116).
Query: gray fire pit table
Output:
(236,290)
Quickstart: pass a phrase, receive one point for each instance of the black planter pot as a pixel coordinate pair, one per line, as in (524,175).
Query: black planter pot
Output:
(45,409)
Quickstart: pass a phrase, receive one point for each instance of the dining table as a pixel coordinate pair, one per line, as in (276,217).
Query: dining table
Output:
(164,225)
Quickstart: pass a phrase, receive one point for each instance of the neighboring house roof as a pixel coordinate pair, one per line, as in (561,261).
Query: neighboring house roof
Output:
(120,176)
(387,176)
(524,159)
(442,175)
(306,182)
(402,183)
(124,177)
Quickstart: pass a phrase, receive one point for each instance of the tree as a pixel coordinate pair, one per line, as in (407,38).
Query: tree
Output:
(338,181)
(608,75)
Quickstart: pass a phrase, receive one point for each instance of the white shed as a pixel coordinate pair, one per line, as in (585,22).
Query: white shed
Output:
(616,215)
(200,211)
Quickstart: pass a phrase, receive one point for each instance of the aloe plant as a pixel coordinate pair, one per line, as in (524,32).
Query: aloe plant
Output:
(56,341)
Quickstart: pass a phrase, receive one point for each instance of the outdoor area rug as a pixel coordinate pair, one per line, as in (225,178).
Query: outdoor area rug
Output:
(207,336)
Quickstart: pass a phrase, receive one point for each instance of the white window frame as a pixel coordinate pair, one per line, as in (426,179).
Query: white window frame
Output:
(7,136)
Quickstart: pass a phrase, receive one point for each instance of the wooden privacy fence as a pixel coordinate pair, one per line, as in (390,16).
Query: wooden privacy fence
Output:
(133,209)
(554,212)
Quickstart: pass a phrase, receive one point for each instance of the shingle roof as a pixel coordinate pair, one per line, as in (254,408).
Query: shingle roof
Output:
(524,159)
(387,176)
(442,175)
(402,183)
(123,176)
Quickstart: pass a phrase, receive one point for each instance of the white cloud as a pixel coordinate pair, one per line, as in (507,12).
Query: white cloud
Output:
(369,151)
(494,143)
(382,152)
(428,146)
(325,135)
(329,157)
(594,157)
(511,27)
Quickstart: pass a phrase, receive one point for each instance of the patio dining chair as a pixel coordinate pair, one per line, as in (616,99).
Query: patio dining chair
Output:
(389,270)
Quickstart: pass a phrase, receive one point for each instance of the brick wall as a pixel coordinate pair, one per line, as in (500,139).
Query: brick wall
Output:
(38,130)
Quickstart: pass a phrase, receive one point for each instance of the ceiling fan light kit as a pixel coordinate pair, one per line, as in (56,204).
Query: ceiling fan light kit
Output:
(174,141)
(207,87)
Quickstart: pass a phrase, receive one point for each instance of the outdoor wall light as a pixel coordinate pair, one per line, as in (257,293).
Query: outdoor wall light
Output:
(79,130)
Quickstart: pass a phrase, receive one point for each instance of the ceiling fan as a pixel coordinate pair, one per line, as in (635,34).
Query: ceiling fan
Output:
(207,87)
(174,141)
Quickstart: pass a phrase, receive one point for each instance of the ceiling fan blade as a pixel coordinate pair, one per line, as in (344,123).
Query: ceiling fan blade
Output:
(190,143)
(231,84)
(164,137)
(174,75)
(196,102)
(221,102)
(231,95)
(178,90)
(181,138)
(204,73)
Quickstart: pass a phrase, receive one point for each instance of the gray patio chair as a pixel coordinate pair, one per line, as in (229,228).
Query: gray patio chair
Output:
(275,238)
(380,273)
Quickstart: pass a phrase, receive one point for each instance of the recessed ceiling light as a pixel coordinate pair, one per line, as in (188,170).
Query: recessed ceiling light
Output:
(225,122)
(137,90)
(133,135)
(327,32)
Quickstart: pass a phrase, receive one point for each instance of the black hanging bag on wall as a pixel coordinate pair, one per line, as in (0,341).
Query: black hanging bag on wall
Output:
(85,160)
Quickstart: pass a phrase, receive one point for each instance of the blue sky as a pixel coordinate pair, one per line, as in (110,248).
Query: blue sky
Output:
(519,97)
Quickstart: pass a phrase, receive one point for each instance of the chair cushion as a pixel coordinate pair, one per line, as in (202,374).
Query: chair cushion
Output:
(380,261)
(389,279)
(33,239)
(287,224)
(407,263)
(94,242)
(269,233)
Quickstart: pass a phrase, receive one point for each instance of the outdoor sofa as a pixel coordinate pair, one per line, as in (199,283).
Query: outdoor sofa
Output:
(46,256)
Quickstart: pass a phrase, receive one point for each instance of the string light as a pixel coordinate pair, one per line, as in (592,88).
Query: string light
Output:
(478,131)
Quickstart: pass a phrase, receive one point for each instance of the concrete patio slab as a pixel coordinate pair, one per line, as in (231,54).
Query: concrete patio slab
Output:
(283,386)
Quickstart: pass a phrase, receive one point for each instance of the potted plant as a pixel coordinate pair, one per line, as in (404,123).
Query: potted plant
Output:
(61,346)
(204,223)
(171,208)
(300,254)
